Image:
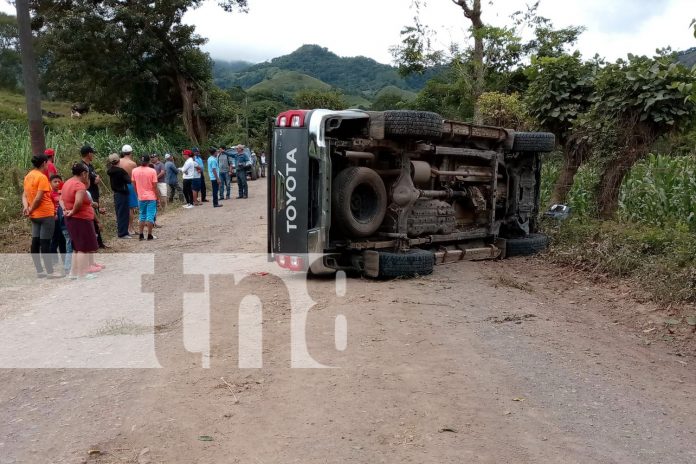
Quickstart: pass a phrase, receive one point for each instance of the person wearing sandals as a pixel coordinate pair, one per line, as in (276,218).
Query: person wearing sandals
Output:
(38,207)
(79,218)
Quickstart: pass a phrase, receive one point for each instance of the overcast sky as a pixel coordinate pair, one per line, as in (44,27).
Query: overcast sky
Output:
(369,27)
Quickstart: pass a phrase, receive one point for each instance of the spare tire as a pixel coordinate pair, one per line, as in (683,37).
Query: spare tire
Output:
(412,124)
(408,263)
(534,142)
(359,201)
(526,246)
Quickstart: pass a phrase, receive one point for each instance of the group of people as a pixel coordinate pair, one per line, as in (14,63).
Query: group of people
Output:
(222,163)
(65,215)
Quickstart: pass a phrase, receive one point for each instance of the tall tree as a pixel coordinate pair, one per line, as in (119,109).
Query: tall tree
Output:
(636,102)
(137,58)
(31,77)
(472,12)
(560,91)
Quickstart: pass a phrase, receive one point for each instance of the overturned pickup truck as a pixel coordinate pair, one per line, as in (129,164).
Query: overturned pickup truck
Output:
(390,194)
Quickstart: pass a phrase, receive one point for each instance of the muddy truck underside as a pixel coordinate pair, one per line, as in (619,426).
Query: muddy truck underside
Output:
(392,193)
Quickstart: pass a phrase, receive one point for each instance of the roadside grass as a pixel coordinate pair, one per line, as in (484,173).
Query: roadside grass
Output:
(659,260)
(653,240)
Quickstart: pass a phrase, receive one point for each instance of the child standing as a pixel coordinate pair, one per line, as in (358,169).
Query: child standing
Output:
(61,238)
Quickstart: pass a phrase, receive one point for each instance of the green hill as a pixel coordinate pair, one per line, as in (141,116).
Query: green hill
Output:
(359,76)
(287,83)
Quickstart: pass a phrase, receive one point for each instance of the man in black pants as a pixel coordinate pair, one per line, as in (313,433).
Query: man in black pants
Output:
(119,184)
(87,153)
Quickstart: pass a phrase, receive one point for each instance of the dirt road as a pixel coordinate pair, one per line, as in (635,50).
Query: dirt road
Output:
(491,362)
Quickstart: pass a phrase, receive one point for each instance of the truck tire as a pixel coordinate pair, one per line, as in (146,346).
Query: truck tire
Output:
(534,142)
(412,124)
(409,263)
(526,246)
(359,201)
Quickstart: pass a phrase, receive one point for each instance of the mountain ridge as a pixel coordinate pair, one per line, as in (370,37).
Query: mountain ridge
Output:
(357,75)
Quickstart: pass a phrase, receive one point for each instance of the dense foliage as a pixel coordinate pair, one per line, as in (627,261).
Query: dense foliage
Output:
(10,63)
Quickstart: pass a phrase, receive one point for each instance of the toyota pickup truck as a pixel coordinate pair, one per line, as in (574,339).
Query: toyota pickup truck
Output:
(392,193)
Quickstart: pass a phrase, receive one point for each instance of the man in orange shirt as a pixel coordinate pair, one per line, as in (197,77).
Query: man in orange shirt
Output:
(144,179)
(38,206)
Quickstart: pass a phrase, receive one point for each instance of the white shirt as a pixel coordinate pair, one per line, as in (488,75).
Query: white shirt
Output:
(189,169)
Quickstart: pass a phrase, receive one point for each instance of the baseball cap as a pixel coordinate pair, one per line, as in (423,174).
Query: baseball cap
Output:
(49,152)
(127,149)
(187,152)
(114,158)
(167,156)
(195,150)
(86,150)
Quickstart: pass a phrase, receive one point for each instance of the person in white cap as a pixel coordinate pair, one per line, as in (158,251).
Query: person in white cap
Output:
(127,164)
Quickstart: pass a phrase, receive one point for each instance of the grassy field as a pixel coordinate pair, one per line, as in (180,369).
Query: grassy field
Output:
(13,109)
(652,242)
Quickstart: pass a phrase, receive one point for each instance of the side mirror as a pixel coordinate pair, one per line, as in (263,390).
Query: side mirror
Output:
(559,212)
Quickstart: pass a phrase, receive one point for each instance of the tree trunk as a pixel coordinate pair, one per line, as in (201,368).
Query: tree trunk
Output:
(195,126)
(30,74)
(479,69)
(565,180)
(473,13)
(613,176)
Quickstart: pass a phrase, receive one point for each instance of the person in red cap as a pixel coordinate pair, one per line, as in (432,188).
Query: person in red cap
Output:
(51,169)
(189,171)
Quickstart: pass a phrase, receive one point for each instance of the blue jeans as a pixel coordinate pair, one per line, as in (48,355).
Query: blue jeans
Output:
(225,184)
(242,183)
(122,213)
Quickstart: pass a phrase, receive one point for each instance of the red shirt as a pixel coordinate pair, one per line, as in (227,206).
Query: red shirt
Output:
(51,169)
(70,189)
(55,196)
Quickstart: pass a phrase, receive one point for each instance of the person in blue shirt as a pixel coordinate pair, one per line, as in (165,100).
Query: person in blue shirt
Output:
(214,173)
(201,164)
(242,163)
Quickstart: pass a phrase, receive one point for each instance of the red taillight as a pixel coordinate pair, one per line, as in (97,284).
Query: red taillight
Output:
(296,263)
(292,263)
(292,118)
